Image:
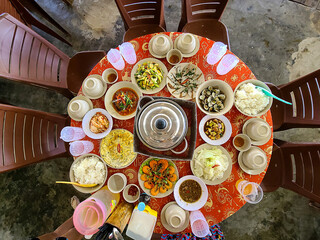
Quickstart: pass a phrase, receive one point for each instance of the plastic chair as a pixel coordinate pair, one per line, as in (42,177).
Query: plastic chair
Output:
(294,166)
(141,17)
(202,17)
(21,9)
(27,57)
(66,230)
(29,136)
(304,93)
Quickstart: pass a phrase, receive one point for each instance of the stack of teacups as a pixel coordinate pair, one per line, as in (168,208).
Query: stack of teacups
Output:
(78,107)
(160,45)
(258,130)
(94,87)
(253,161)
(175,216)
(186,43)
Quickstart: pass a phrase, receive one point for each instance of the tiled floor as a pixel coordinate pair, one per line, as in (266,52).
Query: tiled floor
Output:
(278,40)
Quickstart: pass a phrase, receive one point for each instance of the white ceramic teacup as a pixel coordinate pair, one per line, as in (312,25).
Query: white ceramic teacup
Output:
(186,43)
(241,142)
(175,216)
(160,45)
(93,86)
(174,56)
(109,72)
(258,130)
(254,158)
(79,108)
(117,182)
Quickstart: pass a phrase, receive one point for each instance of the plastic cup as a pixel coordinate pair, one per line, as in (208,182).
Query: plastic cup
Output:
(199,225)
(250,191)
(216,52)
(227,63)
(128,53)
(115,58)
(69,134)
(78,148)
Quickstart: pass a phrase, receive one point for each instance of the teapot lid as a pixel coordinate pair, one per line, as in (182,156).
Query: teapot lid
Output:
(162,124)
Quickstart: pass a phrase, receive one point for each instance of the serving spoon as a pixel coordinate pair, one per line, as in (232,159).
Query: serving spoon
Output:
(266,92)
(77,184)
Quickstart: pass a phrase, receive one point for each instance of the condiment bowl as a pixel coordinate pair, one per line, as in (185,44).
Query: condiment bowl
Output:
(129,198)
(224,88)
(191,206)
(87,189)
(256,83)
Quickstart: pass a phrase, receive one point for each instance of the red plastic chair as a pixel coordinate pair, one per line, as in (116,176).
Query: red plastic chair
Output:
(294,166)
(304,93)
(29,136)
(202,17)
(66,230)
(27,57)
(141,17)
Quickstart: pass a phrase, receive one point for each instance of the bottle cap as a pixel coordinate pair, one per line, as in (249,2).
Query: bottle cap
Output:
(141,206)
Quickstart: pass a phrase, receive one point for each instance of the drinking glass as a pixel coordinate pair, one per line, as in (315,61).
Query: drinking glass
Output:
(69,134)
(216,52)
(78,148)
(115,58)
(227,63)
(250,191)
(128,53)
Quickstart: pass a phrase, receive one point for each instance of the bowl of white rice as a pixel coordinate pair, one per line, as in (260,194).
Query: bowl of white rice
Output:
(250,101)
(88,169)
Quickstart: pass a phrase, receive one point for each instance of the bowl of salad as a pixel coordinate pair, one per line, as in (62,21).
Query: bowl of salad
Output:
(149,75)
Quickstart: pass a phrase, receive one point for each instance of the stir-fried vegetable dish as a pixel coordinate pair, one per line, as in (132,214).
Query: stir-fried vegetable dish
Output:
(149,76)
(125,101)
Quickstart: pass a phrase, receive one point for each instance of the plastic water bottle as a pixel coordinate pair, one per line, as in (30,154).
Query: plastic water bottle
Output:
(216,52)
(115,58)
(69,134)
(128,53)
(78,148)
(227,63)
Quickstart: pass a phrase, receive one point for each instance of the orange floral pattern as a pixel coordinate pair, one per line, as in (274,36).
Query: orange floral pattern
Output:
(224,200)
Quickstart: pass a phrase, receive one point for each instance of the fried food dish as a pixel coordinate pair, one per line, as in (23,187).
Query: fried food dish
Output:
(99,123)
(158,175)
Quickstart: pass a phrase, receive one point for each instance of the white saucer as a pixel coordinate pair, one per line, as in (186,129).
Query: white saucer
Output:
(169,227)
(195,50)
(79,98)
(104,85)
(248,170)
(150,46)
(255,142)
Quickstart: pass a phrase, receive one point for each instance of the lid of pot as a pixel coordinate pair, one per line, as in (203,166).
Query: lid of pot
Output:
(162,124)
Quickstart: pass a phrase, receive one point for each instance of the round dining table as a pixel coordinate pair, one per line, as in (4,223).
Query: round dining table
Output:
(224,200)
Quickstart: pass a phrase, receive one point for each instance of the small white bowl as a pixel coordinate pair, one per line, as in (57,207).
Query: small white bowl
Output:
(87,189)
(227,130)
(129,198)
(117,182)
(256,83)
(106,74)
(86,123)
(225,88)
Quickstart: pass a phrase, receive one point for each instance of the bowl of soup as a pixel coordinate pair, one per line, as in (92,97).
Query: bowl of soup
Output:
(191,193)
(121,100)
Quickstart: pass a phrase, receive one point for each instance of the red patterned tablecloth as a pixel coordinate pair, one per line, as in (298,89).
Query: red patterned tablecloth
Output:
(224,200)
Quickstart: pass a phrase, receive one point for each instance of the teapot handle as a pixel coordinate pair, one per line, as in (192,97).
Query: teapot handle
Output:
(183,150)
(141,104)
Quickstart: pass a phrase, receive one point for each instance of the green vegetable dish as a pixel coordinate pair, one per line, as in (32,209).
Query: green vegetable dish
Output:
(149,76)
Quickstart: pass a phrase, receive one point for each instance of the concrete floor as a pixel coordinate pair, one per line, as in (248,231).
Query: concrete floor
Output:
(278,39)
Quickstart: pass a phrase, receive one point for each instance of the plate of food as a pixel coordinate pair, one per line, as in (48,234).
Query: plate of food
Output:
(183,80)
(97,123)
(116,149)
(191,193)
(212,164)
(215,130)
(157,177)
(149,75)
(122,99)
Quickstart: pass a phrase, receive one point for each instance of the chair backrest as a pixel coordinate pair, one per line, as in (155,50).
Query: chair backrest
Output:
(27,57)
(28,136)
(304,93)
(203,9)
(139,12)
(7,7)
(66,230)
(300,164)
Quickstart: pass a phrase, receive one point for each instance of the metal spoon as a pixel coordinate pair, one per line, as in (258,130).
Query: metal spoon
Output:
(266,92)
